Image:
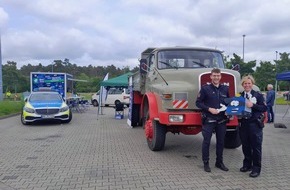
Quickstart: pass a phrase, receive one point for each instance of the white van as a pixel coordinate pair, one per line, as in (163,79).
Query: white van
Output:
(115,95)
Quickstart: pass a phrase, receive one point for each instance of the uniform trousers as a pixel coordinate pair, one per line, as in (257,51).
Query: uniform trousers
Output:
(207,131)
(251,136)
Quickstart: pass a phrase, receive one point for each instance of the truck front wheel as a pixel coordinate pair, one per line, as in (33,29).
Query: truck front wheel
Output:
(155,134)
(232,139)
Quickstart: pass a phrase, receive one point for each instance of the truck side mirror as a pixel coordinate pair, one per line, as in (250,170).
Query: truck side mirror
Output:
(143,66)
(236,67)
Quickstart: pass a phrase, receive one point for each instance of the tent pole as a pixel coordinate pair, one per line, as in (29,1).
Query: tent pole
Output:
(276,87)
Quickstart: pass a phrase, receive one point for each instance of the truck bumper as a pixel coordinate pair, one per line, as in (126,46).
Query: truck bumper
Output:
(189,119)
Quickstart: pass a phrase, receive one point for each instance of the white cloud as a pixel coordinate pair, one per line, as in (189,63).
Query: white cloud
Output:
(116,32)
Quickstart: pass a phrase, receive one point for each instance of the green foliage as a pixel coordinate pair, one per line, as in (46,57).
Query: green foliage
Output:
(83,86)
(283,64)
(281,101)
(18,80)
(265,74)
(10,107)
(245,68)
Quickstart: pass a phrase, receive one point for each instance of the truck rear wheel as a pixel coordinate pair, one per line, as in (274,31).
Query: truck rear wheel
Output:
(155,134)
(232,139)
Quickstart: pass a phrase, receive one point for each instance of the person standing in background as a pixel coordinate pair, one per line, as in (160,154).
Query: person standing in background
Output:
(270,98)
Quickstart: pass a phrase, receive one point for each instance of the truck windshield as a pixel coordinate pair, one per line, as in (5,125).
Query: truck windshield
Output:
(173,59)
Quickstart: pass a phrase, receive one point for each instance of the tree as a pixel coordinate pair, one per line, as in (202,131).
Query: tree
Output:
(82,86)
(244,68)
(283,65)
(13,80)
(265,74)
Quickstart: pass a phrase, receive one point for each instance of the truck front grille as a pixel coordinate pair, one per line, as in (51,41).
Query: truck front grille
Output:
(227,79)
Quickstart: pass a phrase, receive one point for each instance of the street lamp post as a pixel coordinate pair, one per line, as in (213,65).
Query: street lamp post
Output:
(276,61)
(244,47)
(1,81)
(52,64)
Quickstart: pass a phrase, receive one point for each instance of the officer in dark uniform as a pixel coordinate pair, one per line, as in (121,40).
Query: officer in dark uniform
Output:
(210,98)
(251,130)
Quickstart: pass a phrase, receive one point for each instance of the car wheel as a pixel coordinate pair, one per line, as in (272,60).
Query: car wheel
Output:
(23,120)
(69,118)
(95,103)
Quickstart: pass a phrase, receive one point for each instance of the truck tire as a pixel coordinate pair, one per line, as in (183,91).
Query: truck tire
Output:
(232,139)
(157,142)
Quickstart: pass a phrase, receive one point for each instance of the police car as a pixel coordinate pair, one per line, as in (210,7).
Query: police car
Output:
(45,106)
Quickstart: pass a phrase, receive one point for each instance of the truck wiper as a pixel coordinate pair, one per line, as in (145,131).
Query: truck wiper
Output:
(161,76)
(200,64)
(169,65)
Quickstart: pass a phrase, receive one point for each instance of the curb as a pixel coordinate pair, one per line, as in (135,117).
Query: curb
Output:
(10,115)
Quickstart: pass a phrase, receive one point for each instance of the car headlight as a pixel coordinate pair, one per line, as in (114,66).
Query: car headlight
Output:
(63,109)
(29,110)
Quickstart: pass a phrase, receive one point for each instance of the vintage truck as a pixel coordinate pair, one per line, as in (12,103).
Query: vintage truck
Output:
(164,91)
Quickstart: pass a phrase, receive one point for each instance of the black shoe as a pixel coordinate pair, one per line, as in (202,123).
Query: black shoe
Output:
(221,166)
(206,167)
(254,174)
(245,169)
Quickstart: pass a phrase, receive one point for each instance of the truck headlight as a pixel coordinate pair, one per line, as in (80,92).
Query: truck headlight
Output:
(176,118)
(63,109)
(29,110)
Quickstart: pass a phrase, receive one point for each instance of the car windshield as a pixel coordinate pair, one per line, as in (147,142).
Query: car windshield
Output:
(45,97)
(174,59)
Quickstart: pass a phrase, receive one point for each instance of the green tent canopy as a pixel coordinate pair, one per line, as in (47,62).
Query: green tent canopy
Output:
(120,81)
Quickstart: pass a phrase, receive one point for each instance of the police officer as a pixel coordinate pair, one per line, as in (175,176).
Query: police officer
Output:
(209,99)
(251,130)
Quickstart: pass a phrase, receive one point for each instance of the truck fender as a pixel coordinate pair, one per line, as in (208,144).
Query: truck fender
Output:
(150,100)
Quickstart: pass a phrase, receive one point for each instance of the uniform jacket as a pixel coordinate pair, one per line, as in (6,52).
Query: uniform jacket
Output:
(211,96)
(259,107)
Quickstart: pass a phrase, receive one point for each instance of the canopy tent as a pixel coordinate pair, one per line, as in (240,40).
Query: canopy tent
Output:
(285,76)
(120,81)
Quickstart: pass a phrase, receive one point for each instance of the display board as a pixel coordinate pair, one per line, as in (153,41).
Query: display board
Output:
(49,81)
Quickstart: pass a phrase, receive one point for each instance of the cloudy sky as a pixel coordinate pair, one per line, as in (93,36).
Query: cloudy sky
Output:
(105,32)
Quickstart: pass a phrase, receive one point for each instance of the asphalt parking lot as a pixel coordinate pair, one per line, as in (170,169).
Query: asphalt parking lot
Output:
(101,152)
